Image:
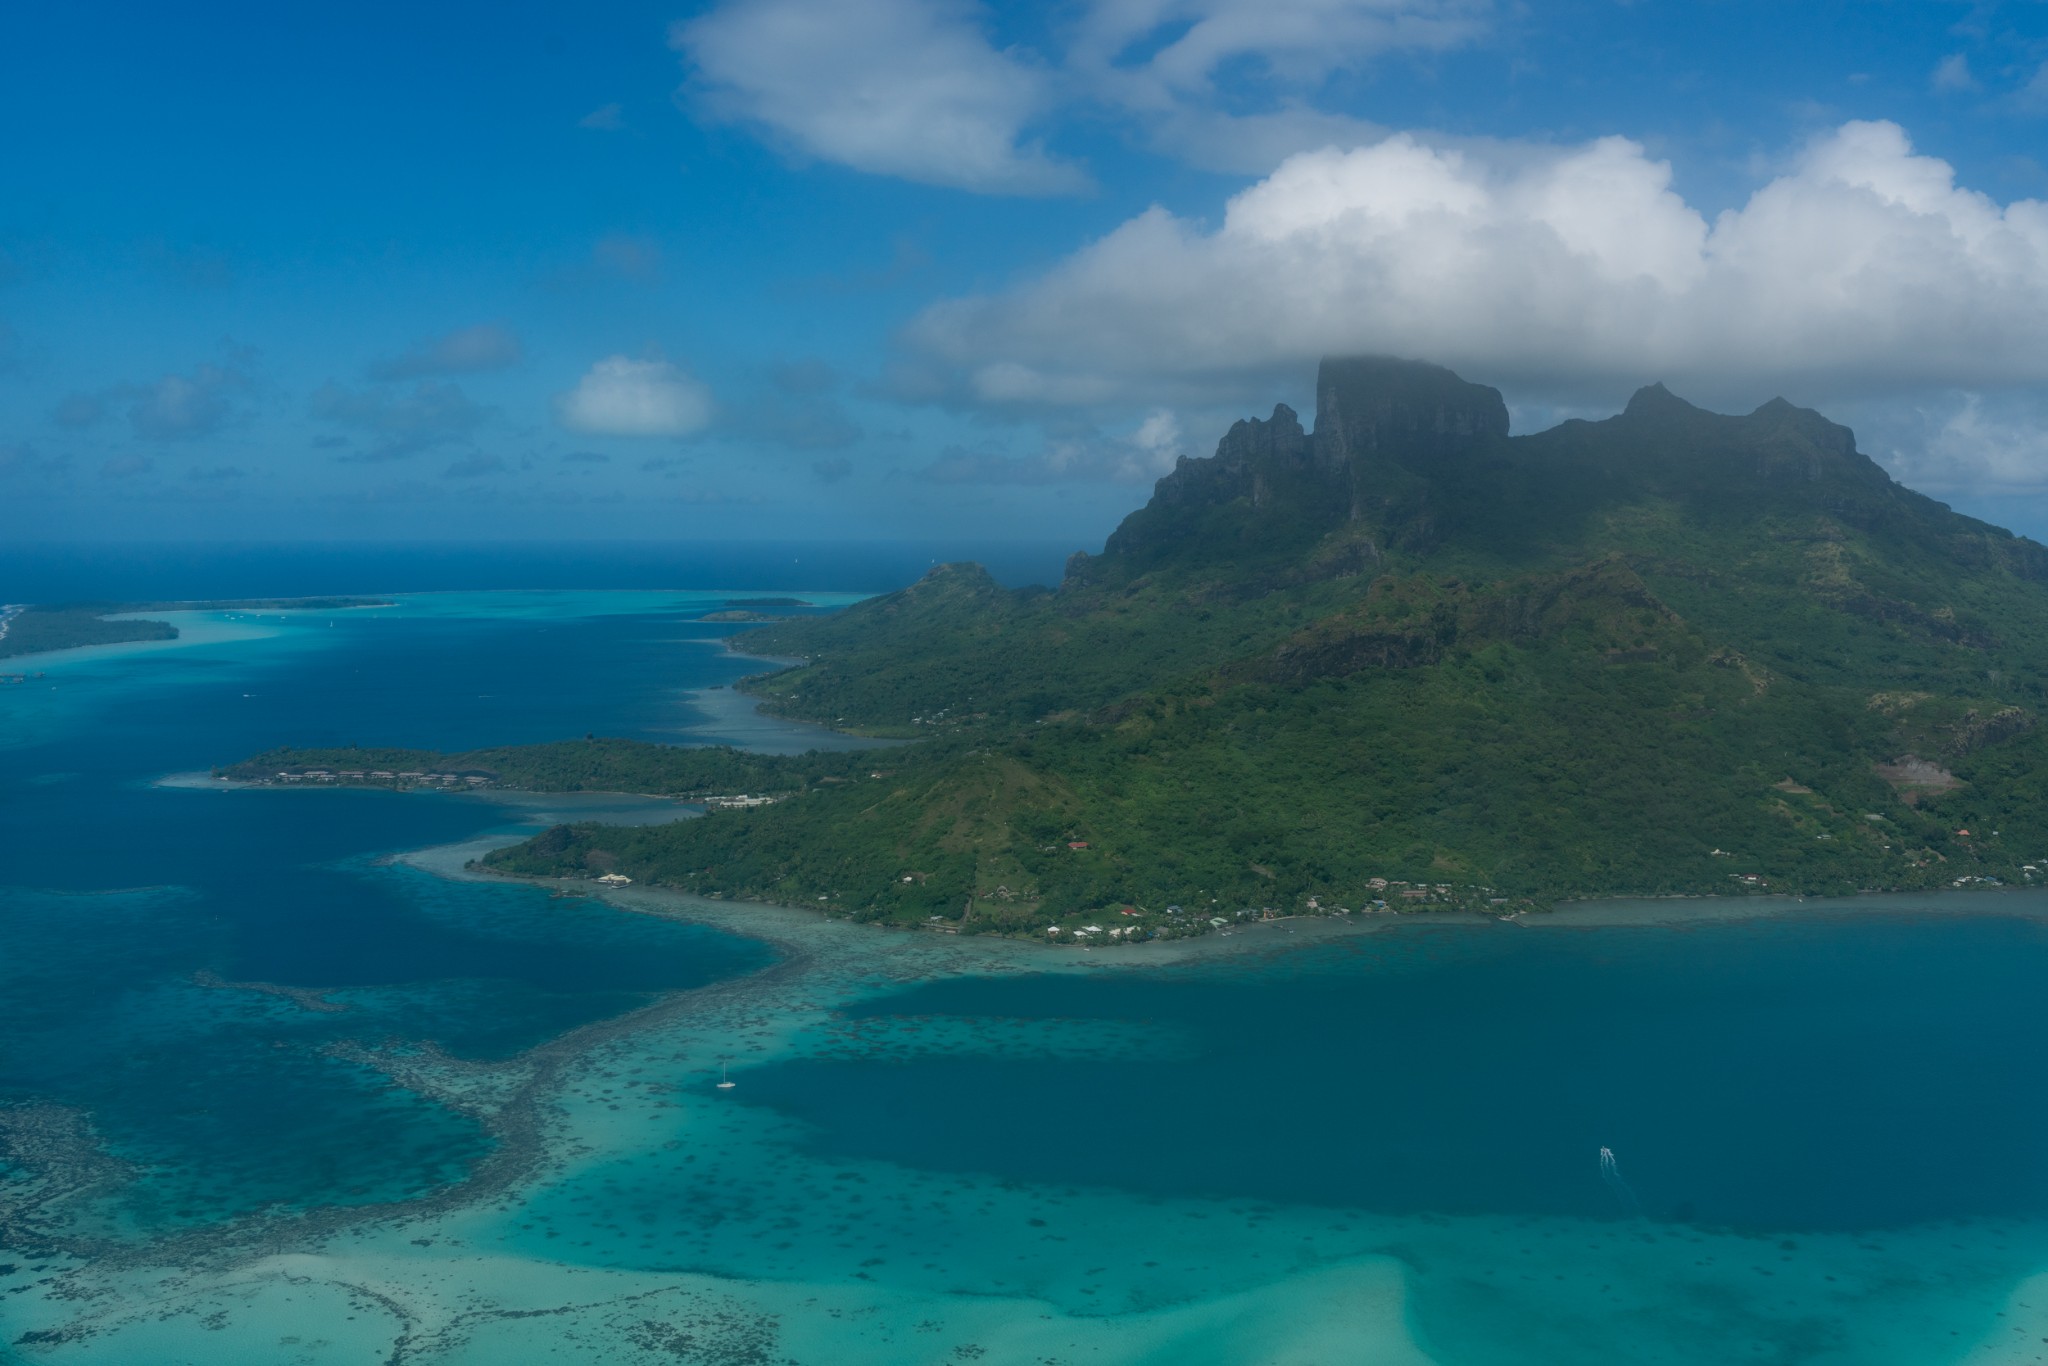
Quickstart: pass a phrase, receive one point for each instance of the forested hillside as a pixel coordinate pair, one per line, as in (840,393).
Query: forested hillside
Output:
(1672,651)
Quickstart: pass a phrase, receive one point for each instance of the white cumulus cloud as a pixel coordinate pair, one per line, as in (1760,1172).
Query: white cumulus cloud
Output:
(907,88)
(620,396)
(1862,267)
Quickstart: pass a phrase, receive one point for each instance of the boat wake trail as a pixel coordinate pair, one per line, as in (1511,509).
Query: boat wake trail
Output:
(1610,1172)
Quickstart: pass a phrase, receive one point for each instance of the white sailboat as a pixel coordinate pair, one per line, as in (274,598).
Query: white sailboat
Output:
(724,1083)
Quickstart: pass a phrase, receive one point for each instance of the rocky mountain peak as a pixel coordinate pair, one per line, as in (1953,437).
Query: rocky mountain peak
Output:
(1408,410)
(1655,401)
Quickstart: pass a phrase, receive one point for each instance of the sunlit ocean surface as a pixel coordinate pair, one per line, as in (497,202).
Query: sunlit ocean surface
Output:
(221,1011)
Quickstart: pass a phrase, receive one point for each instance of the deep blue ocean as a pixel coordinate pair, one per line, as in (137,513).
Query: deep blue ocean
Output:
(1828,1129)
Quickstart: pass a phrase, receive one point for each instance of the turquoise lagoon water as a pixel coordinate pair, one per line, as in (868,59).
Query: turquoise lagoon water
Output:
(1830,1128)
(123,895)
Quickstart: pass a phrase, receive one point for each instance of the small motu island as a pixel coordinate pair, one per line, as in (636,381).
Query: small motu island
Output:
(1401,661)
(34,629)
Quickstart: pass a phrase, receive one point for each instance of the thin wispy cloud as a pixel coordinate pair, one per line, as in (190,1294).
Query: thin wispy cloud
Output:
(799,408)
(400,423)
(1952,74)
(1136,457)
(628,257)
(1151,54)
(183,406)
(920,89)
(193,267)
(909,88)
(475,467)
(76,412)
(612,260)
(19,460)
(465,351)
(125,467)
(2033,96)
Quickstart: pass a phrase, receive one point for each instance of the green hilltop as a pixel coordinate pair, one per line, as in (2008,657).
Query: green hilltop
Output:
(1668,652)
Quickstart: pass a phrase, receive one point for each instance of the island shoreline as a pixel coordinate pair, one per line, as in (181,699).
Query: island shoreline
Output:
(799,924)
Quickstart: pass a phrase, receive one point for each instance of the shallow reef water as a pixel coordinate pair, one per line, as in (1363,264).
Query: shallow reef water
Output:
(269,1094)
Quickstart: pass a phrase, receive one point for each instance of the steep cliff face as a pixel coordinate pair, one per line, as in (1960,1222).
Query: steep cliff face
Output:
(1250,460)
(1405,410)
(1262,486)
(1374,415)
(1386,433)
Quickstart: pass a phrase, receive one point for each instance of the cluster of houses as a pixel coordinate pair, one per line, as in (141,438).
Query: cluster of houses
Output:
(1402,894)
(738,802)
(1113,933)
(407,777)
(1402,891)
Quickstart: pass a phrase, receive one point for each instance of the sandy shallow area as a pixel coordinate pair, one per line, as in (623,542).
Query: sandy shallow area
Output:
(632,1212)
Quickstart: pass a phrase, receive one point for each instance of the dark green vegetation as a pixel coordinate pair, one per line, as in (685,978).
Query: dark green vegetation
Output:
(38,630)
(572,766)
(1668,652)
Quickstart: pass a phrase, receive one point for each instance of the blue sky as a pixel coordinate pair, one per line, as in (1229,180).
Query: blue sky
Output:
(905,268)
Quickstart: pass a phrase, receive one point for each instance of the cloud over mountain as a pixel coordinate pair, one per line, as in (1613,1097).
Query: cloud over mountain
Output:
(1862,267)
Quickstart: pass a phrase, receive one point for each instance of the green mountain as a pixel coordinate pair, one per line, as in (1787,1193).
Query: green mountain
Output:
(1671,651)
